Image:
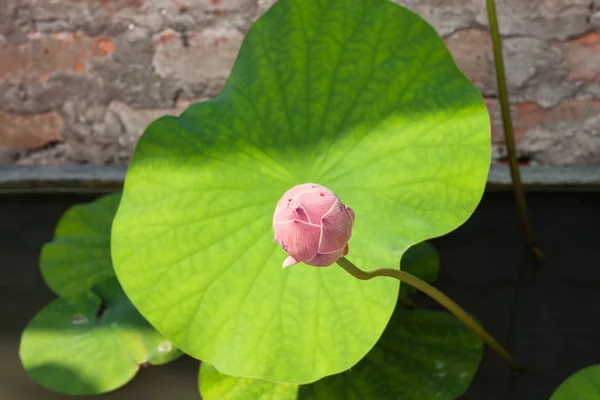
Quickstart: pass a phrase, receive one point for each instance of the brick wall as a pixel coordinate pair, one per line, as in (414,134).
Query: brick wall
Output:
(80,79)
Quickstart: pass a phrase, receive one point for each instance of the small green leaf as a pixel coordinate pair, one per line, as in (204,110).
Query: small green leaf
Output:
(582,385)
(213,385)
(360,96)
(421,260)
(79,255)
(421,355)
(67,348)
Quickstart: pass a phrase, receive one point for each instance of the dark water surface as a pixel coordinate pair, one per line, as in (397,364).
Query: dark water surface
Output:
(547,315)
(26,223)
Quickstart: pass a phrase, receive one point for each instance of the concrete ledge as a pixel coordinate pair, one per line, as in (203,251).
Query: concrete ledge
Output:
(544,177)
(108,178)
(61,178)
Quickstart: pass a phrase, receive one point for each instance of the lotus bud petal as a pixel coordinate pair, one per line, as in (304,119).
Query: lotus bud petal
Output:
(312,225)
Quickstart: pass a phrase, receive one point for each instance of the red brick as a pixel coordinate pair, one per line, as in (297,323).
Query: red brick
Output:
(104,46)
(164,38)
(528,115)
(583,57)
(29,130)
(45,54)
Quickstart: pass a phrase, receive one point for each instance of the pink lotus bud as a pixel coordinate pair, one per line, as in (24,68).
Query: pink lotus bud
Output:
(312,225)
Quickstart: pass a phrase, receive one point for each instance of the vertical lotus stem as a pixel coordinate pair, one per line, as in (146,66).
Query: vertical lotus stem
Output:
(515,173)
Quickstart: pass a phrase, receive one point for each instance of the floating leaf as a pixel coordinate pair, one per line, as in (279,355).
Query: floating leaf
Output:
(360,96)
(213,385)
(68,348)
(421,355)
(582,385)
(79,256)
(422,261)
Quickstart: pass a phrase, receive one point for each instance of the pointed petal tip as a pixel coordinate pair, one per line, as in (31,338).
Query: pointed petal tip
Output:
(289,262)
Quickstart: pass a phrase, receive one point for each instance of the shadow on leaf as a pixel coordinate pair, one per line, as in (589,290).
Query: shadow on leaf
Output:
(67,380)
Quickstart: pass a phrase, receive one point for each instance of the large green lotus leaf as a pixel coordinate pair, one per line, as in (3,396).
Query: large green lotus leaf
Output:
(421,355)
(421,260)
(361,96)
(214,385)
(68,348)
(582,385)
(79,256)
